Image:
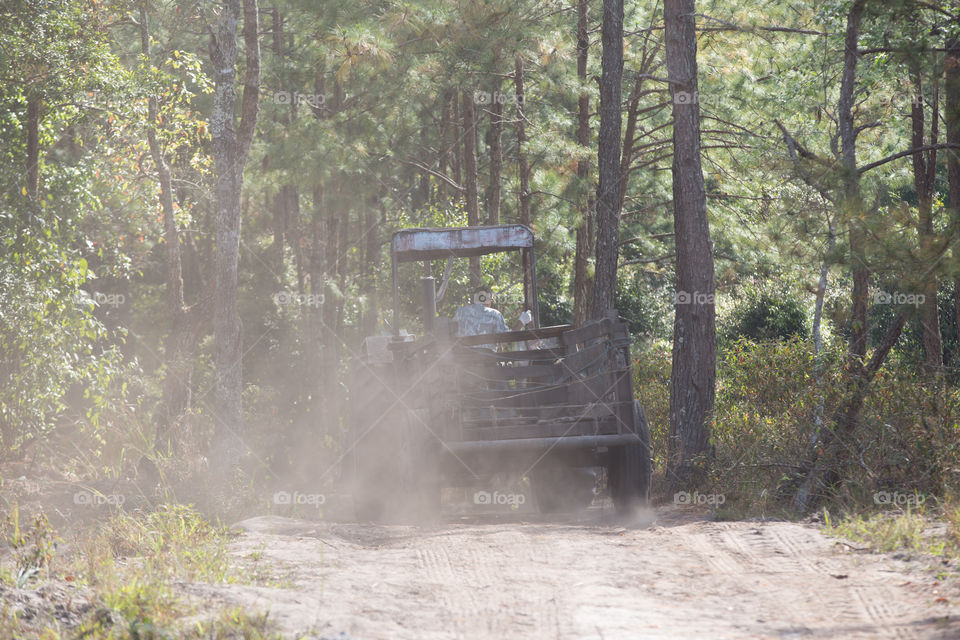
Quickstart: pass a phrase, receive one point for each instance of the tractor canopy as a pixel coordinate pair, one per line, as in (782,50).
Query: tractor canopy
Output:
(426,244)
(463,242)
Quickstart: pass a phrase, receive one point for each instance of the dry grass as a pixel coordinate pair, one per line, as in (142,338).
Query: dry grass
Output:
(117,579)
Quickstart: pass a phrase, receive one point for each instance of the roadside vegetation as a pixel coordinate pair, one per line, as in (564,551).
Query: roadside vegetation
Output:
(116,578)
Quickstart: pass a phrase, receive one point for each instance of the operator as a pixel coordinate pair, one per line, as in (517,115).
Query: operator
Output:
(479,318)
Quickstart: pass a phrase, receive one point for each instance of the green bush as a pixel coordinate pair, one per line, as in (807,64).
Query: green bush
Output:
(651,385)
(768,397)
(50,341)
(766,314)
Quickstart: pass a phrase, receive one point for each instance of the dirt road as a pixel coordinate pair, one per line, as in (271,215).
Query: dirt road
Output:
(679,576)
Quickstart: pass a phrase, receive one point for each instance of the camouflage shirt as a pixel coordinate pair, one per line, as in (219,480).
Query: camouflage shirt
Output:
(476,319)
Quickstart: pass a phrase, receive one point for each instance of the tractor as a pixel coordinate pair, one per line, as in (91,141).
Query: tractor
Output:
(441,409)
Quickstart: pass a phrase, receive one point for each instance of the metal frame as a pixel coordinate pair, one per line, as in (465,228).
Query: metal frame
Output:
(425,244)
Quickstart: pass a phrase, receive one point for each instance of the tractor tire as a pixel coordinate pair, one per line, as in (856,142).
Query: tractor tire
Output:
(560,488)
(397,477)
(630,468)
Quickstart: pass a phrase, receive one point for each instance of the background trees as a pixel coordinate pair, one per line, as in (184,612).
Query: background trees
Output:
(760,158)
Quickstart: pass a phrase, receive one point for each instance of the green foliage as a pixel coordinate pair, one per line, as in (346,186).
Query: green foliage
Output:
(49,340)
(33,546)
(887,532)
(768,400)
(651,385)
(52,341)
(765,313)
(646,309)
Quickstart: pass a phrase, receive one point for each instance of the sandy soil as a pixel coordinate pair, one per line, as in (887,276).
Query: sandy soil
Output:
(676,575)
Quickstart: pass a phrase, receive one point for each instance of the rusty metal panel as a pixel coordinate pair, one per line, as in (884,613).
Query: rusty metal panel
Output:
(429,243)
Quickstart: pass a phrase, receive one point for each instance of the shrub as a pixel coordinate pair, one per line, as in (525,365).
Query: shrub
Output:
(765,314)
(651,385)
(768,397)
(50,341)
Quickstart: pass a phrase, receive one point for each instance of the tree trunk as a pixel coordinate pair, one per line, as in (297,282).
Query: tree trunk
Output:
(951,97)
(371,264)
(629,137)
(444,161)
(582,276)
(608,159)
(496,152)
(522,162)
(851,189)
(693,376)
(295,234)
(279,230)
(230,145)
(421,190)
(456,145)
(924,174)
(802,495)
(470,175)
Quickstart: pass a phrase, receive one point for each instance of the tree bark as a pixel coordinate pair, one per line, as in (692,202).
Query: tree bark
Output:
(456,143)
(444,152)
(693,377)
(279,230)
(608,159)
(523,165)
(851,201)
(496,152)
(951,97)
(924,174)
(582,275)
(230,145)
(371,263)
(470,175)
(295,234)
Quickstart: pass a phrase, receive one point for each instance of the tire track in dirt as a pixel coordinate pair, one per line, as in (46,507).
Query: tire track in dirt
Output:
(476,577)
(684,577)
(877,605)
(789,550)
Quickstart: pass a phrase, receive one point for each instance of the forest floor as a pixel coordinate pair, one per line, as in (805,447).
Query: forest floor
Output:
(676,574)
